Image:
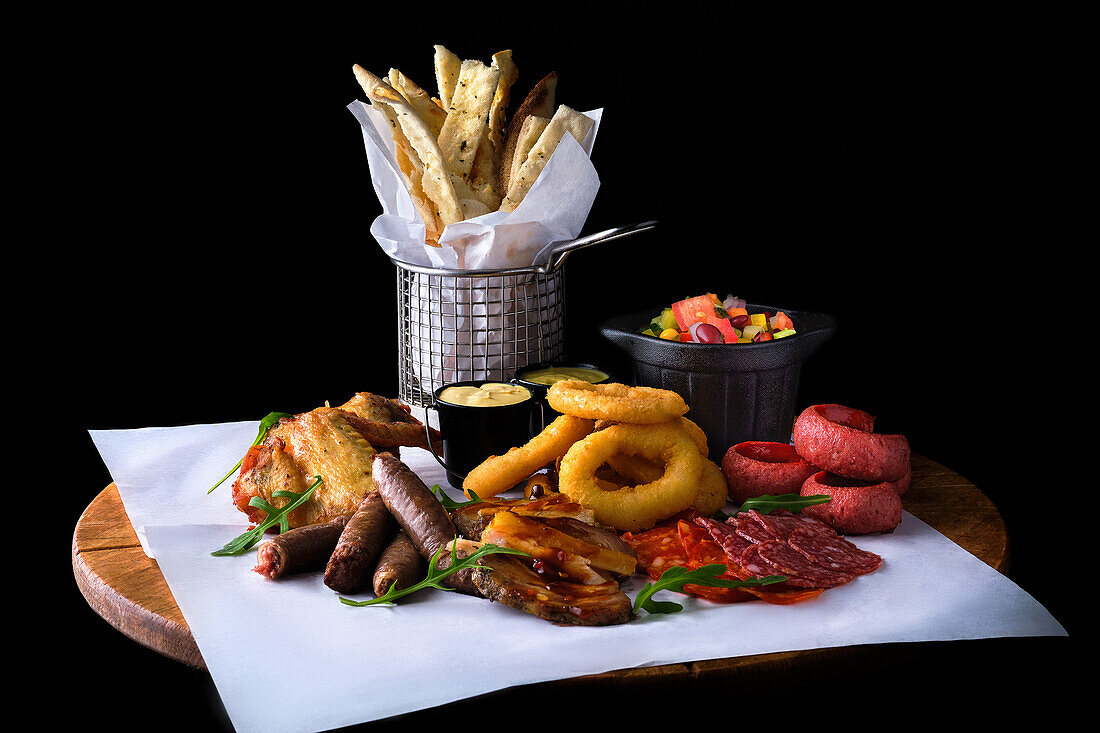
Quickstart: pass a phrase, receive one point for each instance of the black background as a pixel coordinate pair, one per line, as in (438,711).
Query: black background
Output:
(900,169)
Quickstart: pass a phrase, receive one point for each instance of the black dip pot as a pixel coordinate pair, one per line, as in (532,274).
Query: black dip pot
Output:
(735,392)
(472,434)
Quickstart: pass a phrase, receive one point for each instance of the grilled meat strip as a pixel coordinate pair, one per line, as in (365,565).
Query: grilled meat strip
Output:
(509,580)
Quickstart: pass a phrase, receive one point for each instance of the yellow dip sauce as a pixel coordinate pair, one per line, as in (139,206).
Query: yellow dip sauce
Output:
(557,374)
(490,394)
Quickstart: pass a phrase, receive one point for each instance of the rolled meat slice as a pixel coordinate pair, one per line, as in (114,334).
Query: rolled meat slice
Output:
(299,549)
(400,565)
(854,507)
(756,467)
(367,533)
(420,514)
(841,440)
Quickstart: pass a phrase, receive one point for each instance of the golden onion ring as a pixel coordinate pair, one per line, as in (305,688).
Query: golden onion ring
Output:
(712,491)
(694,432)
(615,402)
(500,473)
(633,508)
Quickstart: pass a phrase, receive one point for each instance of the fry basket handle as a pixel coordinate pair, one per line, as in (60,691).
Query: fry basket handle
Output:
(559,253)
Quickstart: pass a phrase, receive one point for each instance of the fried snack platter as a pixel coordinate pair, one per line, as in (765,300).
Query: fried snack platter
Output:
(619,483)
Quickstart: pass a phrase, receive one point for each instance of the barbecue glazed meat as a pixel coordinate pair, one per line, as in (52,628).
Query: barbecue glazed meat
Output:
(471,519)
(508,580)
(562,554)
(324,442)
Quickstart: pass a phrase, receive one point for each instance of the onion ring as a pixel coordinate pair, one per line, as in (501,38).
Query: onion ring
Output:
(633,508)
(757,467)
(615,402)
(500,473)
(839,440)
(694,432)
(712,491)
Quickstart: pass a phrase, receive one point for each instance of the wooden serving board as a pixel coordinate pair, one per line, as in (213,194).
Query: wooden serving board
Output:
(127,589)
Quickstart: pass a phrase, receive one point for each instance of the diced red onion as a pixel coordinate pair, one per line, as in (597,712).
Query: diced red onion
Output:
(732,302)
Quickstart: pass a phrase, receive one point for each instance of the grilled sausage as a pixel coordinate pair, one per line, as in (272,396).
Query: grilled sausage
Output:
(400,565)
(360,545)
(420,514)
(299,549)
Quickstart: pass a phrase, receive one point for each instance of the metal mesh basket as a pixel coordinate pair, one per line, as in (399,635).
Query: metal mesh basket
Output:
(459,325)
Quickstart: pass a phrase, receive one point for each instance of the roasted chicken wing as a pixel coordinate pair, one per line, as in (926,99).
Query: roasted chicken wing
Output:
(336,443)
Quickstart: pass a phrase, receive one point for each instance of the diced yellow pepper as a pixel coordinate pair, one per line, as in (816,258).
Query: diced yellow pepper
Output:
(751,330)
(759,319)
(670,334)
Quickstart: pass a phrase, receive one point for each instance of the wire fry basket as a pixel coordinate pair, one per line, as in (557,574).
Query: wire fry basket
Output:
(459,325)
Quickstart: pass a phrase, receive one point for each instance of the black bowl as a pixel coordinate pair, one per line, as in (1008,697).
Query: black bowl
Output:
(736,392)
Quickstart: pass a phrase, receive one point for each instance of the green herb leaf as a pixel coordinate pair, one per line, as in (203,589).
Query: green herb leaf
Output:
(450,504)
(676,577)
(791,502)
(266,424)
(280,516)
(435,575)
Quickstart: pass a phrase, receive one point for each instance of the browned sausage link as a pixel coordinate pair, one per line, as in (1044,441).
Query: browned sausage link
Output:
(419,513)
(367,533)
(400,565)
(299,549)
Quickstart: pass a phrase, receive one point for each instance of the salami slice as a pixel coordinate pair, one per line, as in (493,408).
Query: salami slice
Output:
(750,529)
(799,569)
(657,549)
(780,524)
(832,551)
(725,535)
(702,550)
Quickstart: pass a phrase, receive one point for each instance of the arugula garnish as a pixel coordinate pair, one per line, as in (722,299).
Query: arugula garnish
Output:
(266,424)
(676,577)
(792,502)
(280,516)
(435,575)
(450,504)
(768,503)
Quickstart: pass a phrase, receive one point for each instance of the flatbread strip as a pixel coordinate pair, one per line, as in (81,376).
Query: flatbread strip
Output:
(529,134)
(419,100)
(539,101)
(408,162)
(447,66)
(565,120)
(485,176)
(468,116)
(435,179)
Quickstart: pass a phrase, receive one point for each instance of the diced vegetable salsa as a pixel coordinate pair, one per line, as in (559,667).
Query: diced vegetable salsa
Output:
(705,319)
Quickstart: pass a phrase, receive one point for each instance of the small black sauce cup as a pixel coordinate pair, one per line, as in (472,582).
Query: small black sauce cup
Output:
(547,414)
(472,434)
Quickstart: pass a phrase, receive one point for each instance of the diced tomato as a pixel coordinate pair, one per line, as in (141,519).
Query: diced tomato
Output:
(700,309)
(693,310)
(781,321)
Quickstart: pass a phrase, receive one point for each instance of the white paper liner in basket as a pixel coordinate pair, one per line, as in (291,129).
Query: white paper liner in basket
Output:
(457,333)
(553,211)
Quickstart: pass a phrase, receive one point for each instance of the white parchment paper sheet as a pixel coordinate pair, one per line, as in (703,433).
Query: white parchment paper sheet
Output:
(928,589)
